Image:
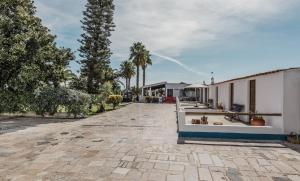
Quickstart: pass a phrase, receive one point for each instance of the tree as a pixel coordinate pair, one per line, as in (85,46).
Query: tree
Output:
(144,63)
(95,52)
(137,54)
(29,57)
(127,72)
(113,77)
(136,91)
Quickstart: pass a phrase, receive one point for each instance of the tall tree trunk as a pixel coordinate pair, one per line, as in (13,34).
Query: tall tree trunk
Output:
(137,76)
(144,77)
(126,84)
(137,80)
(129,83)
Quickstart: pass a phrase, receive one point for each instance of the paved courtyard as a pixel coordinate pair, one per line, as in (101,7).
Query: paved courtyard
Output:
(138,142)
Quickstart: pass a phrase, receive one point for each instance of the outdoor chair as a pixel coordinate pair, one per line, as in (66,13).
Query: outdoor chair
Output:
(236,108)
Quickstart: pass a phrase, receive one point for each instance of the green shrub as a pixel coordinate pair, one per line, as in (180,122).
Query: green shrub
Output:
(47,100)
(76,102)
(148,99)
(115,100)
(11,102)
(151,99)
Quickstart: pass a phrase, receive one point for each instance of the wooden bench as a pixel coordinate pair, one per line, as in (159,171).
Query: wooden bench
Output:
(236,108)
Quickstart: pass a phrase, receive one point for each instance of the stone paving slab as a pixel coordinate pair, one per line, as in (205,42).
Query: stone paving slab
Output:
(136,143)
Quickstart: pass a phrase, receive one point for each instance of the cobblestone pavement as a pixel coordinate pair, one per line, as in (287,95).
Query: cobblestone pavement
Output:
(137,142)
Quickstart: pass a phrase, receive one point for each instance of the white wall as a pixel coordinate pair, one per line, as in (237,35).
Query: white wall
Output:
(176,88)
(291,110)
(223,96)
(183,127)
(269,96)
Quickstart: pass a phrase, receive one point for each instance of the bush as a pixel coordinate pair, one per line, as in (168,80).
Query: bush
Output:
(47,100)
(115,100)
(76,102)
(148,99)
(151,99)
(11,102)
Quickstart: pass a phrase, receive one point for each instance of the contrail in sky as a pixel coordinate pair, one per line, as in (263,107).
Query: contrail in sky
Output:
(178,62)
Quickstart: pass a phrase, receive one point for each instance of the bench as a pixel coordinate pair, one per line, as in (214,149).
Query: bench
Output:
(236,108)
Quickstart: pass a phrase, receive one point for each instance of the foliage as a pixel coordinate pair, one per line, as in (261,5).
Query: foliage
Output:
(29,56)
(76,102)
(220,106)
(127,71)
(113,76)
(137,55)
(144,64)
(78,83)
(48,99)
(100,99)
(10,102)
(136,91)
(115,100)
(152,99)
(95,52)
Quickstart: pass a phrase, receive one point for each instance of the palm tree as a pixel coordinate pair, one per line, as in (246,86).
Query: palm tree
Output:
(137,54)
(127,72)
(145,62)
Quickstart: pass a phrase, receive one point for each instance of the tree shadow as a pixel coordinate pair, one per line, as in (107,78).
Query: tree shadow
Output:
(10,124)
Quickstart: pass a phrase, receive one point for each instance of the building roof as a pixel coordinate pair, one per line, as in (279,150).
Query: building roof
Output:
(259,74)
(159,84)
(195,86)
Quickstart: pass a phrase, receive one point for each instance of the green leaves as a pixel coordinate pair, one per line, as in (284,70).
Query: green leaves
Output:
(94,50)
(47,100)
(115,100)
(29,56)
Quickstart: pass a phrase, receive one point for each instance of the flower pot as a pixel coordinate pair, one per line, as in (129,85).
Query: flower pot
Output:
(195,121)
(258,122)
(204,120)
(293,139)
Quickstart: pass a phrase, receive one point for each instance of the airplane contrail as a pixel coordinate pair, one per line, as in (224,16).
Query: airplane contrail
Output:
(178,62)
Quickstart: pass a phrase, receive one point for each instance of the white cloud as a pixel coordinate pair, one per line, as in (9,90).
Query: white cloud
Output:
(170,27)
(167,27)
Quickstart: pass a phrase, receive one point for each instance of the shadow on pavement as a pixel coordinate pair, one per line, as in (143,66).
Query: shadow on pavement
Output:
(12,124)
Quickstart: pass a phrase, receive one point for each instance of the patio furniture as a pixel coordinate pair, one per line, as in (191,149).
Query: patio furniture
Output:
(210,103)
(236,108)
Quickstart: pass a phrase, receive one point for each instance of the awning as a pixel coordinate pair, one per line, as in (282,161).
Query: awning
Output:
(196,86)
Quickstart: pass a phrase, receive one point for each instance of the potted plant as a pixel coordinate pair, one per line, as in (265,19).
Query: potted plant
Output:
(204,120)
(257,121)
(220,106)
(293,138)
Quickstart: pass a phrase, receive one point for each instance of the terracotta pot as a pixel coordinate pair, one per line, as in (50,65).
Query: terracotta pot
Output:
(196,121)
(258,122)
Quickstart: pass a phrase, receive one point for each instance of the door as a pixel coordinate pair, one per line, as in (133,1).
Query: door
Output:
(252,97)
(170,92)
(231,95)
(201,95)
(217,96)
(206,95)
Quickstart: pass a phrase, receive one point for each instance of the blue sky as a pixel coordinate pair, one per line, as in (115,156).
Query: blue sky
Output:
(190,39)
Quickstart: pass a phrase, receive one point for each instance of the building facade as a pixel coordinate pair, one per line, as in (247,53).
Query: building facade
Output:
(269,92)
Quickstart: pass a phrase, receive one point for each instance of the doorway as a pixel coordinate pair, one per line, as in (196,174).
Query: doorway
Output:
(231,95)
(252,97)
(217,96)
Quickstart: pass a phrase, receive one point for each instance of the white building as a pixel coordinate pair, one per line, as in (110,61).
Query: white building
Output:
(165,89)
(275,91)
(197,91)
